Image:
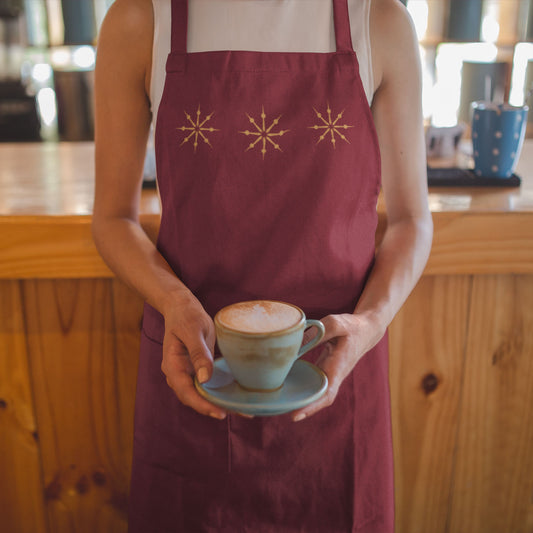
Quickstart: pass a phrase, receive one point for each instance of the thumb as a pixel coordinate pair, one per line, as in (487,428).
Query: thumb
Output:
(201,358)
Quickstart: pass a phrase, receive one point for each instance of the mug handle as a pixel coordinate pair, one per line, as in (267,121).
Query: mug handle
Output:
(316,339)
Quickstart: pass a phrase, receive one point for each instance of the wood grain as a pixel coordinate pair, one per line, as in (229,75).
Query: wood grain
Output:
(127,317)
(463,243)
(51,247)
(21,496)
(493,480)
(75,380)
(477,243)
(427,357)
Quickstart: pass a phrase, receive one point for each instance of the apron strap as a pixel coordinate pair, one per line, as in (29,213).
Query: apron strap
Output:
(343,34)
(180,15)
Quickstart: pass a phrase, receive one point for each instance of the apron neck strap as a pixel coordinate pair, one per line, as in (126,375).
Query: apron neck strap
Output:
(180,16)
(343,34)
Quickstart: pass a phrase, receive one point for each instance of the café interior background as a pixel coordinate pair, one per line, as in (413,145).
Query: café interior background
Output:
(48,51)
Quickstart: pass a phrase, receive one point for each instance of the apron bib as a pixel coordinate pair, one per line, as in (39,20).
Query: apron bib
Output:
(269,172)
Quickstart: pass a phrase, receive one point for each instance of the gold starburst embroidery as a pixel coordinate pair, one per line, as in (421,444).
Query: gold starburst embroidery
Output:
(263,133)
(330,126)
(197,129)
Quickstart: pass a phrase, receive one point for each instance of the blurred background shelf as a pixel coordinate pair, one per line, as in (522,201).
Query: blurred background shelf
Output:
(48,47)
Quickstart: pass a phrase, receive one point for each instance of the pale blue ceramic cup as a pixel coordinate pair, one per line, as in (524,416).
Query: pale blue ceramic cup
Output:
(498,132)
(261,351)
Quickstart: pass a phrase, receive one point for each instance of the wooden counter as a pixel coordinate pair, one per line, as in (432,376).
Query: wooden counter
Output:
(461,358)
(46,197)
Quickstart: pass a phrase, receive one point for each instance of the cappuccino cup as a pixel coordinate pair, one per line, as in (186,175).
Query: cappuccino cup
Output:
(261,339)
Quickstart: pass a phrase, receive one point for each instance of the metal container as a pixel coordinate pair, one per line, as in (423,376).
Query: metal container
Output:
(473,84)
(464,20)
(10,8)
(19,121)
(63,22)
(75,111)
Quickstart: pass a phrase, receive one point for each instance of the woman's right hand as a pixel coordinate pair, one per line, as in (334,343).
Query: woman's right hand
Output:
(188,348)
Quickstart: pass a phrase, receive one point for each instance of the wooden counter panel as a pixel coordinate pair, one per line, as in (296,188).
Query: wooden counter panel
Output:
(79,380)
(127,307)
(461,386)
(462,396)
(50,247)
(493,482)
(481,243)
(21,496)
(427,340)
(55,247)
(463,243)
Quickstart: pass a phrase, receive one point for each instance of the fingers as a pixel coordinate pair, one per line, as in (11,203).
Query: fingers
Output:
(334,381)
(324,401)
(179,373)
(190,331)
(335,326)
(197,339)
(337,360)
(193,349)
(181,361)
(201,359)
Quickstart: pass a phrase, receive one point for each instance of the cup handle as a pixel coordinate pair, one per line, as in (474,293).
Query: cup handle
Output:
(316,339)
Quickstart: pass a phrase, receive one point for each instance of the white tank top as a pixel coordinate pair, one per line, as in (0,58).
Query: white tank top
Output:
(262,26)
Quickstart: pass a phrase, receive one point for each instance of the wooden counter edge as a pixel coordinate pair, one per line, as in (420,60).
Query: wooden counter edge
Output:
(57,247)
(54,247)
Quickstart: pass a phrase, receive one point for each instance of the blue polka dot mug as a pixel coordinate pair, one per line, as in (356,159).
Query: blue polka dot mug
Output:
(498,132)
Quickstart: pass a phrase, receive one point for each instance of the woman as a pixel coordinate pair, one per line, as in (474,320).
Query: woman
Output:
(269,170)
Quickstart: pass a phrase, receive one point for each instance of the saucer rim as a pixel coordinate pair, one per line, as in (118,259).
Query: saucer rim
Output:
(265,408)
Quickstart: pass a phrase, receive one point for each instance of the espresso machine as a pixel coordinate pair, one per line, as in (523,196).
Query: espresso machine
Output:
(19,118)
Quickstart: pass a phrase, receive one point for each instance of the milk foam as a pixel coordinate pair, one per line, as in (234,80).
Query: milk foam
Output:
(259,316)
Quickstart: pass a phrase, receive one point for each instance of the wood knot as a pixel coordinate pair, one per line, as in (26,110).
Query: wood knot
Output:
(53,490)
(429,383)
(99,477)
(82,485)
(508,350)
(3,404)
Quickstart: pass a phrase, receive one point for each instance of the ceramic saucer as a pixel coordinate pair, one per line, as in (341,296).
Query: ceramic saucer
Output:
(304,384)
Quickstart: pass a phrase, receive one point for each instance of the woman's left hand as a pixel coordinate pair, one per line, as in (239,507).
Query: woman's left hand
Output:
(347,338)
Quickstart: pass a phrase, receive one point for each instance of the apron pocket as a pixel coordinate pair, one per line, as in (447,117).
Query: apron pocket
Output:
(168,434)
(153,324)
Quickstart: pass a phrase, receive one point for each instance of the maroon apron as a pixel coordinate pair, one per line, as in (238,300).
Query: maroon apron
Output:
(269,173)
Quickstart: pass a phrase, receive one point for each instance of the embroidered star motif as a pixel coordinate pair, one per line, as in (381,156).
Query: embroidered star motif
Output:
(330,126)
(263,133)
(197,129)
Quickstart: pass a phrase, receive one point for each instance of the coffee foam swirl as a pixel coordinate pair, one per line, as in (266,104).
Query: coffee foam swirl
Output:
(259,316)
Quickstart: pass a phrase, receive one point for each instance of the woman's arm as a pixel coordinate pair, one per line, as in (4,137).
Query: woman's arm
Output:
(406,244)
(123,117)
(397,111)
